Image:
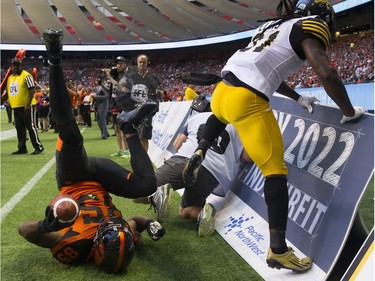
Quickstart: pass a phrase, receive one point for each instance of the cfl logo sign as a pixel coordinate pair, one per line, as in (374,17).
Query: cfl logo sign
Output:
(139,92)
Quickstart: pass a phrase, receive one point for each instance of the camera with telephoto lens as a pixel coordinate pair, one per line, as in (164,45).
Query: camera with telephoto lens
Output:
(112,72)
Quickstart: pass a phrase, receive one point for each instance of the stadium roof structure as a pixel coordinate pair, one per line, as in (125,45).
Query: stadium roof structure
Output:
(114,24)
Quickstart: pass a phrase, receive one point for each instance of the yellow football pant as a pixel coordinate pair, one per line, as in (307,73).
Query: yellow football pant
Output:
(256,125)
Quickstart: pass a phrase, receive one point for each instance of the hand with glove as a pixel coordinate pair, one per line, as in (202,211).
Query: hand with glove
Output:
(155,230)
(307,102)
(359,111)
(51,223)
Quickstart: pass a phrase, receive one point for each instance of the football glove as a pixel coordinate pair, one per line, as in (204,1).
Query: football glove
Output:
(155,230)
(51,223)
(307,102)
(359,111)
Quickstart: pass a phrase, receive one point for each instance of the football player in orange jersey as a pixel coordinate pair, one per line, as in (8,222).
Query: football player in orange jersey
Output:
(99,233)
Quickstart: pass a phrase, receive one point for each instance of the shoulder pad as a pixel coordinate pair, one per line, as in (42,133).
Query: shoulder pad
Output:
(318,28)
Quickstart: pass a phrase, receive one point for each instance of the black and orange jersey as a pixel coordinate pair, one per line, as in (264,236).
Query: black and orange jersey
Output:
(95,203)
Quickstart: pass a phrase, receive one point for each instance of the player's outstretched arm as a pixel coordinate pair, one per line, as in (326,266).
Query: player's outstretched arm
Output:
(141,223)
(29,231)
(306,101)
(319,61)
(44,233)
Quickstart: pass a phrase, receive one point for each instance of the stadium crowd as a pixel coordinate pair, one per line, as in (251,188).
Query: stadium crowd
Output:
(352,55)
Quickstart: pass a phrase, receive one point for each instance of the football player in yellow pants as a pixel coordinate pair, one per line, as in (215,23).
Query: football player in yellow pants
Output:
(250,77)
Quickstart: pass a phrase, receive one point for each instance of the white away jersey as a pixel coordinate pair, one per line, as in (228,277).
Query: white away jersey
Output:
(275,52)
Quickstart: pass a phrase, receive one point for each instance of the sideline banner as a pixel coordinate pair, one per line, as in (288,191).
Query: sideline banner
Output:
(329,165)
(166,126)
(359,94)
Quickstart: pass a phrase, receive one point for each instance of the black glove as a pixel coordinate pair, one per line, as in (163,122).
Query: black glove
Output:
(154,230)
(51,223)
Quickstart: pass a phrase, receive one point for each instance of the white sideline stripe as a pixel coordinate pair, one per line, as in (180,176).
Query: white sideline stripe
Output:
(8,134)
(24,190)
(27,187)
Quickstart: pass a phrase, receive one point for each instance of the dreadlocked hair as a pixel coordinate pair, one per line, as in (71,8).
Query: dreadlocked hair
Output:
(284,11)
(285,8)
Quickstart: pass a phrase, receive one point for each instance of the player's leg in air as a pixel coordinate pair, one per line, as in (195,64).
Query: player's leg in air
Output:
(142,181)
(115,178)
(71,159)
(119,181)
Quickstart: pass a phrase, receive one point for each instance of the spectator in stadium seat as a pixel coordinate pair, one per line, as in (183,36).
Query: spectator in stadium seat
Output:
(98,232)
(179,97)
(166,96)
(250,77)
(190,94)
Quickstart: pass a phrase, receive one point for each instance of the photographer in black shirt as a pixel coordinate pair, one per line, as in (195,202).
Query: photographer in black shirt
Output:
(117,77)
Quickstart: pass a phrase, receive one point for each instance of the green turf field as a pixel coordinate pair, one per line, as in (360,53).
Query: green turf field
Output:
(180,255)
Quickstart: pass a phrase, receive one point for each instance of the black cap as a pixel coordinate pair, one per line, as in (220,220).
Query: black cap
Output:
(120,58)
(16,60)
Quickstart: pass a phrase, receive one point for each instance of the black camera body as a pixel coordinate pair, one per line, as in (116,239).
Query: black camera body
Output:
(113,72)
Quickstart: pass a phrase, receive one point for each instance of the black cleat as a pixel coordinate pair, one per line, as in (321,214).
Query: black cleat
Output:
(136,116)
(53,41)
(37,151)
(20,151)
(190,171)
